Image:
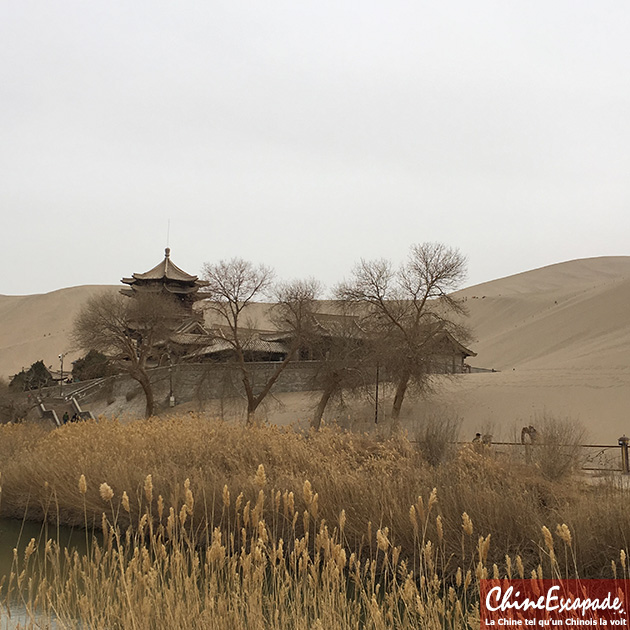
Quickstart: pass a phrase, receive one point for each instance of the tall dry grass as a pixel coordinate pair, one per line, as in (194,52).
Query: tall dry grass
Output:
(214,525)
(164,573)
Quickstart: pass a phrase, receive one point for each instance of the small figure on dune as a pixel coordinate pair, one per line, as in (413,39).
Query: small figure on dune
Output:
(525,437)
(480,441)
(528,435)
(65,417)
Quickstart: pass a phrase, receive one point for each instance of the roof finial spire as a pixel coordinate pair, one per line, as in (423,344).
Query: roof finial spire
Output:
(167,252)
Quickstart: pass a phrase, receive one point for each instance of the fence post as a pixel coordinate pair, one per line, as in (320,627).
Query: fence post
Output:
(625,463)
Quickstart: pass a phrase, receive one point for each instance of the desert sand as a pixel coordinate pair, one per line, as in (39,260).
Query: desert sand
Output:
(34,327)
(558,338)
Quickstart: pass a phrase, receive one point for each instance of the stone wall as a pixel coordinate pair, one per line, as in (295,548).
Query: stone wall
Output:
(201,382)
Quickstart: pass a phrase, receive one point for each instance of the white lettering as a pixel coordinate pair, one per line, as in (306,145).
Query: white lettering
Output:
(489,606)
(552,598)
(496,600)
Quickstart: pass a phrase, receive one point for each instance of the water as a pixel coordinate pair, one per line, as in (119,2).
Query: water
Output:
(16,534)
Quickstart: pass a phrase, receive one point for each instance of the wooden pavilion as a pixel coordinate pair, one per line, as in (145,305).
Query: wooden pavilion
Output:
(168,279)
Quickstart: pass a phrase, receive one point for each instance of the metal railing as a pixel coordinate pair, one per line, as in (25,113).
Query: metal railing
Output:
(92,387)
(595,457)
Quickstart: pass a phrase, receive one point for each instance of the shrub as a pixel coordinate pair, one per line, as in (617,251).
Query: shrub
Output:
(93,365)
(178,550)
(435,435)
(557,450)
(35,377)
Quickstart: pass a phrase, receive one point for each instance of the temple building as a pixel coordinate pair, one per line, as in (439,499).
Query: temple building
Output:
(187,330)
(197,338)
(166,278)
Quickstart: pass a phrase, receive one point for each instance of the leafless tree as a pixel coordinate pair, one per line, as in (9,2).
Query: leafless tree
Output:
(407,309)
(232,286)
(344,360)
(129,331)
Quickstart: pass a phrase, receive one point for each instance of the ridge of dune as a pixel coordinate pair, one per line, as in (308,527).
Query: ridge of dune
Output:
(34,327)
(569,276)
(569,314)
(570,311)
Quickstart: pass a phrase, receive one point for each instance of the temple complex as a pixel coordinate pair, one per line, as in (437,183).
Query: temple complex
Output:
(194,338)
(168,279)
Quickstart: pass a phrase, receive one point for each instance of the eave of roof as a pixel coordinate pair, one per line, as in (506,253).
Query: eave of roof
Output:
(252,345)
(168,270)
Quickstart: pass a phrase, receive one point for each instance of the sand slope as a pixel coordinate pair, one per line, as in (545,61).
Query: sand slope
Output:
(566,315)
(561,337)
(34,327)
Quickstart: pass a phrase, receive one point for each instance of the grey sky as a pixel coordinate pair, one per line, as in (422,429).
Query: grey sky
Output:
(309,134)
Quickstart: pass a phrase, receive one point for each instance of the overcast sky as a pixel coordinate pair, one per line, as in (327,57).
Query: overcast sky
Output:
(309,134)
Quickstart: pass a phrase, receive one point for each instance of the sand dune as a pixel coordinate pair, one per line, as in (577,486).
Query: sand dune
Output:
(573,314)
(559,337)
(34,327)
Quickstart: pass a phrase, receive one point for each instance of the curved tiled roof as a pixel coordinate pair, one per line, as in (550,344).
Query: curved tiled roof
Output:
(166,270)
(255,344)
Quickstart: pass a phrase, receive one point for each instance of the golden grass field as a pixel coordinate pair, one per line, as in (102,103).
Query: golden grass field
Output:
(208,524)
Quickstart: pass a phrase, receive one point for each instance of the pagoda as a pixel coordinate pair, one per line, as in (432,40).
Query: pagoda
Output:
(168,279)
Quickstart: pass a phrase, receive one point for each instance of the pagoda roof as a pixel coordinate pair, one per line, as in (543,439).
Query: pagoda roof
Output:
(456,345)
(166,270)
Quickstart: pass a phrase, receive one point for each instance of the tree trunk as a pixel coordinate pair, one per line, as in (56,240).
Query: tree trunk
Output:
(143,378)
(254,401)
(251,400)
(251,416)
(316,422)
(400,395)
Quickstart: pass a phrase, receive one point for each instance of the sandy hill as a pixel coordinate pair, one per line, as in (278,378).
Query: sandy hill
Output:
(559,337)
(34,327)
(572,314)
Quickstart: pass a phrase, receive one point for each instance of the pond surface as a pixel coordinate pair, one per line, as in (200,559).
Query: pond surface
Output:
(16,534)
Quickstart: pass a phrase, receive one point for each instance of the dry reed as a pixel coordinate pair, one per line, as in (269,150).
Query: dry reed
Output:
(206,524)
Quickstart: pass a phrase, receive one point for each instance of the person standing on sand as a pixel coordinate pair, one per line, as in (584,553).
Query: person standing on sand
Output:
(477,442)
(65,417)
(528,436)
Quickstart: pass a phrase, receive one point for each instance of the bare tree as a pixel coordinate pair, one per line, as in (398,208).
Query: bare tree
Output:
(344,361)
(232,286)
(129,331)
(408,309)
